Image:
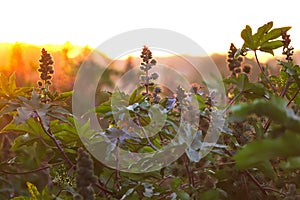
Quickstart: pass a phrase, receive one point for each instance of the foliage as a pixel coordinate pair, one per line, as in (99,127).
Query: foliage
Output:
(256,157)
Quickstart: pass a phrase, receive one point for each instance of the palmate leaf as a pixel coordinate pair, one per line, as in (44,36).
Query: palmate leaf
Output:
(291,69)
(269,46)
(263,39)
(211,195)
(258,36)
(246,34)
(255,153)
(31,126)
(65,132)
(275,109)
(244,86)
(290,164)
(273,34)
(9,89)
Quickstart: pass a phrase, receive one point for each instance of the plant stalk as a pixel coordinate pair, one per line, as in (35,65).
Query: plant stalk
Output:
(262,71)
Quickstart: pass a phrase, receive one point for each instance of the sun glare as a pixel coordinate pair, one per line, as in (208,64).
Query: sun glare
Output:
(210,25)
(155,53)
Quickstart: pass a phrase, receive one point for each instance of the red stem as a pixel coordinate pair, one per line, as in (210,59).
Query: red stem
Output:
(56,142)
(262,71)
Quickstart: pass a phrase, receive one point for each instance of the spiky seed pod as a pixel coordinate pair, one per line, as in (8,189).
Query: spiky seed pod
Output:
(85,175)
(157,90)
(146,55)
(146,64)
(45,68)
(155,95)
(287,49)
(180,94)
(234,63)
(247,69)
(195,88)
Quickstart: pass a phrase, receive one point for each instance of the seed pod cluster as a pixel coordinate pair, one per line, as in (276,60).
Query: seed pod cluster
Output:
(85,176)
(46,69)
(147,63)
(287,49)
(155,95)
(235,64)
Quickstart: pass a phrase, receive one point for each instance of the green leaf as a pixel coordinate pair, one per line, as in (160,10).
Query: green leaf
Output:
(262,39)
(128,193)
(133,96)
(103,108)
(267,168)
(183,195)
(275,109)
(146,149)
(63,96)
(270,46)
(261,31)
(292,163)
(201,102)
(246,34)
(274,33)
(34,193)
(210,195)
(175,183)
(31,127)
(8,88)
(65,132)
(136,97)
(23,140)
(12,82)
(255,153)
(241,82)
(292,70)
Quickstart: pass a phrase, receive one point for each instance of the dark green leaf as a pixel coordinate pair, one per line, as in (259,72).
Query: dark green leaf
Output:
(31,127)
(246,34)
(269,46)
(210,195)
(275,109)
(181,194)
(274,33)
(103,108)
(260,151)
(267,168)
(261,31)
(292,163)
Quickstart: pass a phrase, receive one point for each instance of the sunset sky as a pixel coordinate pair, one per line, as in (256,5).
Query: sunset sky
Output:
(212,24)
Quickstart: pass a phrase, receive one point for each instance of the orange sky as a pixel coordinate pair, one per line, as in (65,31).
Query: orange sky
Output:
(212,24)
